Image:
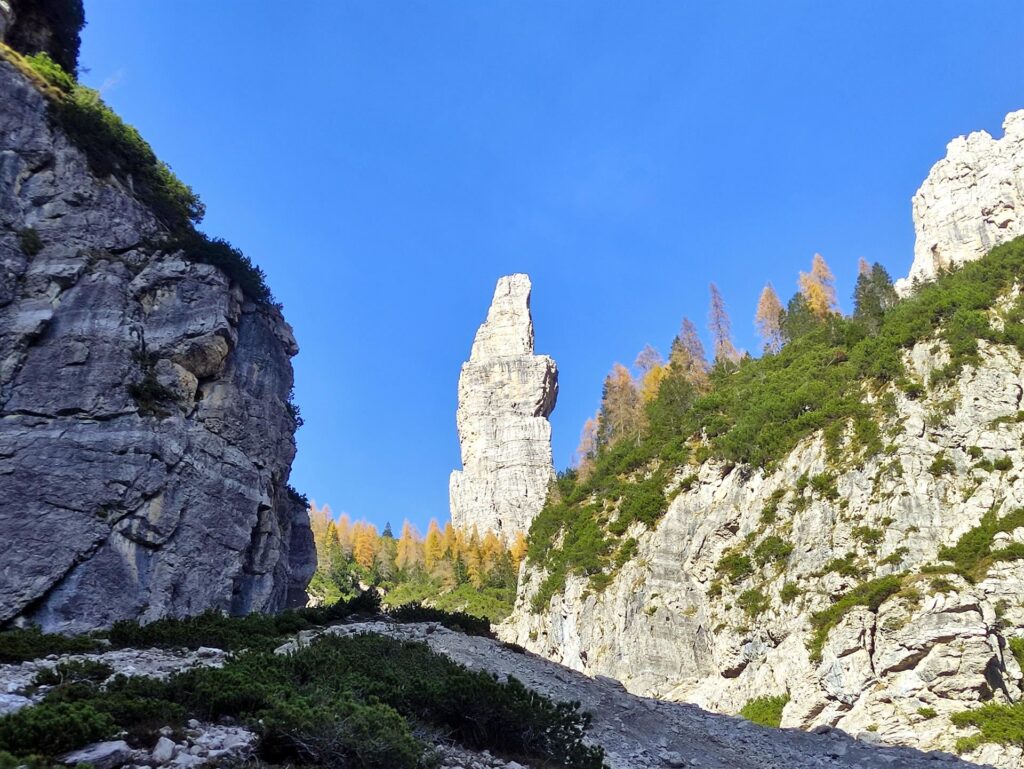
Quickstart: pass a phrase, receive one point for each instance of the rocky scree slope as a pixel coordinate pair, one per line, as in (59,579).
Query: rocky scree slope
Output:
(146,435)
(645,733)
(872,574)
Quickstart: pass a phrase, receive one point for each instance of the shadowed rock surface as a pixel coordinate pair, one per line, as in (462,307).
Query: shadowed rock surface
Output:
(145,433)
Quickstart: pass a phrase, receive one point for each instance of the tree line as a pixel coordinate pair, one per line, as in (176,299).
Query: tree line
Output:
(353,554)
(629,396)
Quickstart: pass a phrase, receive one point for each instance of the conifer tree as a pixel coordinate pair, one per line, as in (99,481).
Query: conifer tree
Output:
(586,451)
(688,356)
(818,288)
(519,548)
(621,415)
(721,330)
(407,555)
(345,534)
(433,546)
(873,296)
(364,547)
(769,319)
(651,366)
(387,533)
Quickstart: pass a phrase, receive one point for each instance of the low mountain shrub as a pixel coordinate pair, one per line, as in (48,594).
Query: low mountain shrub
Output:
(870,594)
(766,711)
(31,643)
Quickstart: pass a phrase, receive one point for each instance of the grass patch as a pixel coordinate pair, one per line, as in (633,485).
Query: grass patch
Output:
(29,241)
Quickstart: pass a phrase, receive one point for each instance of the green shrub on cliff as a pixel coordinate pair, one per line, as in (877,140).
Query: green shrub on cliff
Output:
(766,711)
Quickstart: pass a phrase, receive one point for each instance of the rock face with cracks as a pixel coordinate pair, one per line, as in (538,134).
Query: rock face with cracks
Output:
(505,396)
(145,432)
(972,201)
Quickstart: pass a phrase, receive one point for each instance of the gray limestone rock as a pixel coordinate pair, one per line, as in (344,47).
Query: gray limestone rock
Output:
(120,499)
(505,396)
(972,200)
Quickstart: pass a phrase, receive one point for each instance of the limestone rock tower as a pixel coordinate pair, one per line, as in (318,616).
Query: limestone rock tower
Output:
(971,202)
(505,396)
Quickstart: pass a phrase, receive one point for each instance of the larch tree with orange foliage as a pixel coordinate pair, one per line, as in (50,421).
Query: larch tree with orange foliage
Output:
(688,356)
(768,319)
(408,554)
(621,413)
(818,288)
(433,546)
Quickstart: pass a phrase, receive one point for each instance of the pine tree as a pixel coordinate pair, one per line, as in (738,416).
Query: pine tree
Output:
(387,533)
(873,296)
(818,288)
(721,330)
(798,320)
(769,319)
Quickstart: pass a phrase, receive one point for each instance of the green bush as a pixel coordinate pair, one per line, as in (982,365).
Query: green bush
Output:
(457,620)
(766,711)
(753,602)
(1016,646)
(217,252)
(735,566)
(29,241)
(772,549)
(997,723)
(31,643)
(941,465)
(927,713)
(868,535)
(790,592)
(74,671)
(972,554)
(1003,464)
(870,594)
(53,728)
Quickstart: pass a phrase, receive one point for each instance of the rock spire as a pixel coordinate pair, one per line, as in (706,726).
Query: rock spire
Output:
(505,396)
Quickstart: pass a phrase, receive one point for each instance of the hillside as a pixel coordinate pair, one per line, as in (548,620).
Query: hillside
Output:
(838,525)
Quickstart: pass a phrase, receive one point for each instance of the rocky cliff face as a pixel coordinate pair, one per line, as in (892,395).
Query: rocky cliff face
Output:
(671,626)
(972,201)
(505,396)
(145,433)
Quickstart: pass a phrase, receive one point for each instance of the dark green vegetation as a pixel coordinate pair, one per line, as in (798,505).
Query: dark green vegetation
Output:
(972,555)
(63,18)
(30,643)
(831,375)
(29,241)
(766,711)
(340,701)
(998,723)
(115,149)
(870,594)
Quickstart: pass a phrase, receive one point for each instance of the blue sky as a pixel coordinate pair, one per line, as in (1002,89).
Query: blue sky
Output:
(385,162)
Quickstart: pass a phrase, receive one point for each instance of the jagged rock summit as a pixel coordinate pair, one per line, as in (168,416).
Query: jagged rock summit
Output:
(146,434)
(505,396)
(972,201)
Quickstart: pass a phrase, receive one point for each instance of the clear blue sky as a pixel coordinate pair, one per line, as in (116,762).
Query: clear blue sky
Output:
(385,162)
